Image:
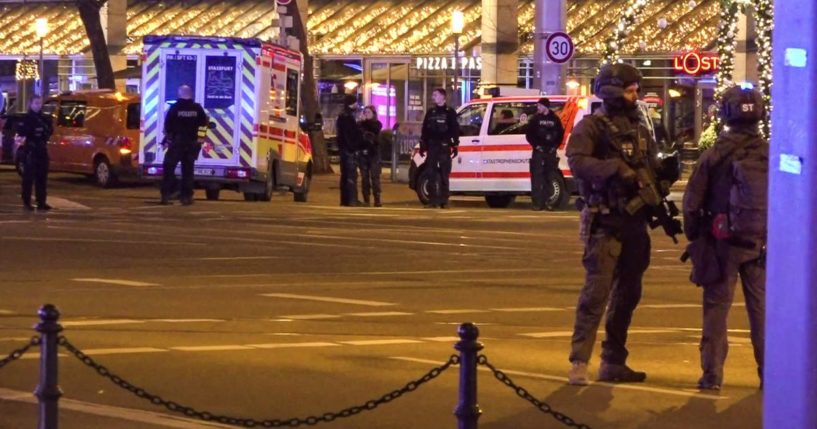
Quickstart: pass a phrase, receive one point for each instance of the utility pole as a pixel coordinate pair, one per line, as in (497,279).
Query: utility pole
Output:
(550,17)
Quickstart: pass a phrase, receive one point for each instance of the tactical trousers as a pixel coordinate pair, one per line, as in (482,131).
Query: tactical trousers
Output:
(614,264)
(541,189)
(35,172)
(176,153)
(439,167)
(348,178)
(370,171)
(718,299)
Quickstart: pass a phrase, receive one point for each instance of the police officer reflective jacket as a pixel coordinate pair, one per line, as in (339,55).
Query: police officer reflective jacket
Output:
(545,131)
(440,126)
(183,121)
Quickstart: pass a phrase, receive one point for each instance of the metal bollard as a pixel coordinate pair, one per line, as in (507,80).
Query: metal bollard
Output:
(48,391)
(468,410)
(395,151)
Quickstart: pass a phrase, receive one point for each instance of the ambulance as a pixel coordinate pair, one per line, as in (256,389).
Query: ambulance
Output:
(250,91)
(494,155)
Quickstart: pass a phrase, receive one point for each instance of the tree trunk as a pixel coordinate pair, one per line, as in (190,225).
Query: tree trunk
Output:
(309,95)
(89,13)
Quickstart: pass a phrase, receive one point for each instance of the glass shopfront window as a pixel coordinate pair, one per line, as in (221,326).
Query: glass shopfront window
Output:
(337,78)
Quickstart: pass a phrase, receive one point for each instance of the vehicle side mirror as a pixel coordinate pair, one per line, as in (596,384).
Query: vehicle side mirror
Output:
(211,125)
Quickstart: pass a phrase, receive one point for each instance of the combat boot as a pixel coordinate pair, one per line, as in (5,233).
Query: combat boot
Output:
(709,383)
(577,376)
(616,373)
(377,202)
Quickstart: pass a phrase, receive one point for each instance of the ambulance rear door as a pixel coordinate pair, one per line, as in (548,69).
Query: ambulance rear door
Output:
(215,75)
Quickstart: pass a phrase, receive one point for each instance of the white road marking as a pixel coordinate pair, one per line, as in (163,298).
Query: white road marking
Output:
(292,345)
(185,320)
(126,414)
(121,282)
(308,317)
(636,387)
(662,306)
(94,240)
(458,311)
(527,309)
(100,322)
(6,312)
(379,342)
(122,351)
(566,334)
(379,314)
(329,299)
(235,258)
(441,339)
(211,348)
(63,204)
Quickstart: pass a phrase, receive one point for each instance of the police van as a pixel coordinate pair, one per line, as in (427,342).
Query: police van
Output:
(250,91)
(494,156)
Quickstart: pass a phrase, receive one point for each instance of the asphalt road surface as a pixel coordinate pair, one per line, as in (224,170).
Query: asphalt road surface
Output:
(283,309)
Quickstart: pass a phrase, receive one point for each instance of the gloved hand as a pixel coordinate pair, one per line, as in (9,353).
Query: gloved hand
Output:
(454,151)
(423,149)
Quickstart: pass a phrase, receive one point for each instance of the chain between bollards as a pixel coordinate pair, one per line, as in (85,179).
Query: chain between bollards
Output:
(468,410)
(48,391)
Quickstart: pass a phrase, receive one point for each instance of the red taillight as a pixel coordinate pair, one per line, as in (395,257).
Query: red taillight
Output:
(125,143)
(237,173)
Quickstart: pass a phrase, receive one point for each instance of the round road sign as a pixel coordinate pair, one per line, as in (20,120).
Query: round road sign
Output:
(559,47)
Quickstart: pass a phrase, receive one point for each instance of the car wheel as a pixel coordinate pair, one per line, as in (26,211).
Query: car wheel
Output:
(250,196)
(302,195)
(212,193)
(269,186)
(499,201)
(423,186)
(103,175)
(559,197)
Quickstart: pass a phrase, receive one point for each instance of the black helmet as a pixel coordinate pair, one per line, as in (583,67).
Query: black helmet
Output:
(741,105)
(613,78)
(349,100)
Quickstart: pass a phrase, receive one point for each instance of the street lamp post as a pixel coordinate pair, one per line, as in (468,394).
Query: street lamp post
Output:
(457,24)
(41,27)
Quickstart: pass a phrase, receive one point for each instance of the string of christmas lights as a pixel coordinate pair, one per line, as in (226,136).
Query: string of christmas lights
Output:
(611,49)
(764,15)
(26,69)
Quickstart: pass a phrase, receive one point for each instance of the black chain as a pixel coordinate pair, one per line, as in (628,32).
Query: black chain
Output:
(17,354)
(524,394)
(247,422)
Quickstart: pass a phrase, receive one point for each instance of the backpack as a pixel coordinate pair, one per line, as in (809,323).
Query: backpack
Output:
(740,195)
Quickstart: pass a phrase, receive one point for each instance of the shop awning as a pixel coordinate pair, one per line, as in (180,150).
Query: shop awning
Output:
(365,27)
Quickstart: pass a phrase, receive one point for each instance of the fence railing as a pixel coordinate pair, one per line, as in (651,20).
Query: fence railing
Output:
(467,411)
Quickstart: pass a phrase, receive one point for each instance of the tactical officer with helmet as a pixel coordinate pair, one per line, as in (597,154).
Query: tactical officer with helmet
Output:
(603,152)
(725,207)
(544,133)
(440,138)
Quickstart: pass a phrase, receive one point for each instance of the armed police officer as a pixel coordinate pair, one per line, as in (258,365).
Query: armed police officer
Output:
(182,124)
(440,139)
(35,130)
(725,219)
(544,133)
(350,141)
(607,153)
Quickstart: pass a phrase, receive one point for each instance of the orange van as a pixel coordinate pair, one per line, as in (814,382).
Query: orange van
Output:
(95,133)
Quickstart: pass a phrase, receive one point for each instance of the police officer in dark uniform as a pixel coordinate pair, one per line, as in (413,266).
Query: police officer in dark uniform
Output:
(440,138)
(544,133)
(617,245)
(182,124)
(728,233)
(36,128)
(350,140)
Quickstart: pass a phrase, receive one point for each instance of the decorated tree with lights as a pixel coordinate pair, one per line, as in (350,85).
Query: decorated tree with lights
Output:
(613,45)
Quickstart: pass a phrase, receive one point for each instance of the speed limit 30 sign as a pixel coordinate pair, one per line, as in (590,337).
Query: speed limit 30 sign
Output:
(559,47)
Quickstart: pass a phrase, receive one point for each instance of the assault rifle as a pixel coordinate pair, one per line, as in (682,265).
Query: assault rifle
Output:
(652,193)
